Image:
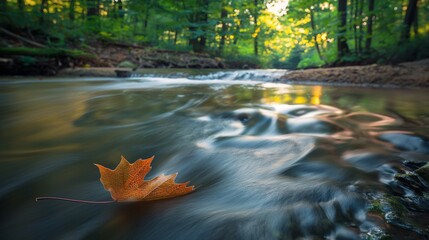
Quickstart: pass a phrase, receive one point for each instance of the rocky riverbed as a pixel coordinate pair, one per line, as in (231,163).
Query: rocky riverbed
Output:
(404,75)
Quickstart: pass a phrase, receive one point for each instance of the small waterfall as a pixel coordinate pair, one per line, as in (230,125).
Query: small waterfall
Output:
(263,75)
(266,75)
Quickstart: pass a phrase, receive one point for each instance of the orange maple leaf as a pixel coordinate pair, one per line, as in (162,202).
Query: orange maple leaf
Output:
(126,182)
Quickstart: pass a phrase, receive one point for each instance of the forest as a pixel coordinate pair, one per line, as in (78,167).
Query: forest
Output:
(240,119)
(263,33)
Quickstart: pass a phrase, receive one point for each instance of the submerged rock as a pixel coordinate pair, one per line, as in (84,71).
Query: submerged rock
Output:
(394,212)
(424,172)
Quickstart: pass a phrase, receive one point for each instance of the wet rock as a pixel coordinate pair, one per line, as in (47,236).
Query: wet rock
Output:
(120,73)
(369,161)
(395,213)
(126,64)
(414,165)
(411,182)
(375,207)
(424,172)
(406,141)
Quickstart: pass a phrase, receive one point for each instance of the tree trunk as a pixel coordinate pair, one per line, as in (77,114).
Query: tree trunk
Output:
(146,15)
(42,11)
(3,7)
(255,25)
(371,7)
(237,33)
(193,40)
(342,47)
(92,15)
(93,8)
(204,21)
(416,22)
(21,5)
(355,26)
(118,10)
(198,41)
(360,26)
(410,17)
(224,29)
(313,28)
(71,10)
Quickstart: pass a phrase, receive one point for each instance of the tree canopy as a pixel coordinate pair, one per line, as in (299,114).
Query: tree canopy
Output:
(274,33)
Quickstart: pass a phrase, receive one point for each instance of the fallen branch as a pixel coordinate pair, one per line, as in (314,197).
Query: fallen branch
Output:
(22,38)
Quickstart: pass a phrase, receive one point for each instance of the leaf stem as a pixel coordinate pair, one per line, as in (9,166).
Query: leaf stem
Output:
(73,200)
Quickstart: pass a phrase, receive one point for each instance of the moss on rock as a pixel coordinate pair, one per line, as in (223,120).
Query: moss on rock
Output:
(424,172)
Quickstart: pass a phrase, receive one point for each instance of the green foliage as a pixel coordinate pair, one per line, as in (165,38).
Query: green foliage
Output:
(44,52)
(310,60)
(228,29)
(414,49)
(277,62)
(243,61)
(27,61)
(298,59)
(387,24)
(294,58)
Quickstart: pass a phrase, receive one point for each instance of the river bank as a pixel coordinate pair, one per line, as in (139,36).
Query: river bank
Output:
(404,75)
(110,60)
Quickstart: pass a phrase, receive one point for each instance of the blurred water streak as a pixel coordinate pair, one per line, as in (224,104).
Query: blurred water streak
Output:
(270,161)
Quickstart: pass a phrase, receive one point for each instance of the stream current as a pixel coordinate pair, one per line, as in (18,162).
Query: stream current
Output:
(269,161)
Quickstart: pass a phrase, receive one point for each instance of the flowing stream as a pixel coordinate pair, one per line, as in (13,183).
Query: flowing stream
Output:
(269,161)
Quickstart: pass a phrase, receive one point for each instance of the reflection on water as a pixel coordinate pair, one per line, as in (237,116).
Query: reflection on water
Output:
(270,161)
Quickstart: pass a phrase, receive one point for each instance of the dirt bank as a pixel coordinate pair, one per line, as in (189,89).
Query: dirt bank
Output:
(404,75)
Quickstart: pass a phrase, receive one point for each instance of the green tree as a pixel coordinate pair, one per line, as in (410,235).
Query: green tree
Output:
(93,8)
(256,27)
(409,20)
(342,46)
(371,16)
(224,21)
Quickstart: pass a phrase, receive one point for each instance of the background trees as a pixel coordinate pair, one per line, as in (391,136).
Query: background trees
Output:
(315,32)
(362,31)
